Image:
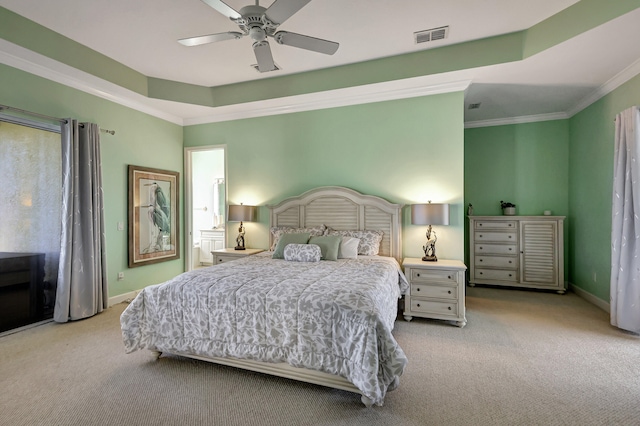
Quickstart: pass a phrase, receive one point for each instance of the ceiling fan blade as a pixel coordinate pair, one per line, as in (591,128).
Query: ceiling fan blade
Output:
(223,8)
(196,41)
(263,56)
(281,10)
(305,42)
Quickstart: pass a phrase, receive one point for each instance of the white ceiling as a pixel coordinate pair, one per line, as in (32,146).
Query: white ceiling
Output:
(142,34)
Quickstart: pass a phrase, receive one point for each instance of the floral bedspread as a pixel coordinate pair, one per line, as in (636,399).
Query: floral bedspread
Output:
(331,316)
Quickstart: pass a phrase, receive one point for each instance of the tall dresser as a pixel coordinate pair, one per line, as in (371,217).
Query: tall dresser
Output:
(517,251)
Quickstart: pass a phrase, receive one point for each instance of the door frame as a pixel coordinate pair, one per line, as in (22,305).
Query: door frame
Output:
(188,197)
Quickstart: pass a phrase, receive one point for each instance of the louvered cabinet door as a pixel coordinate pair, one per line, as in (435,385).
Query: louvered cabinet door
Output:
(540,251)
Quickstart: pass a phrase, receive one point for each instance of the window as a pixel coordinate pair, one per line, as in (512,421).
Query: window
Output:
(30,224)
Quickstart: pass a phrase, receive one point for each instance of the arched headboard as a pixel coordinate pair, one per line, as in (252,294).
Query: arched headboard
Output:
(342,208)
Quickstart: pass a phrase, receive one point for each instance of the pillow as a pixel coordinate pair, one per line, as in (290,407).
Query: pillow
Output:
(301,238)
(369,240)
(348,248)
(302,253)
(278,231)
(328,245)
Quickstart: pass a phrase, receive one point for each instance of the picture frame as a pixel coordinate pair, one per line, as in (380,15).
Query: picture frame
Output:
(154,226)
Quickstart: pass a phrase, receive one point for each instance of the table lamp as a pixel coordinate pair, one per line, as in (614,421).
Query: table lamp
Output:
(430,214)
(241,214)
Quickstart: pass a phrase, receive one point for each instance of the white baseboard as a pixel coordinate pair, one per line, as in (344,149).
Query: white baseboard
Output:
(126,297)
(590,298)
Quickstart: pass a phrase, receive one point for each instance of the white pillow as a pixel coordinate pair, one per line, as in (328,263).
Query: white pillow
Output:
(348,248)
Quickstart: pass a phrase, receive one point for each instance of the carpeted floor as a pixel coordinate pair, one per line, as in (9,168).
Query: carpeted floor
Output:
(524,358)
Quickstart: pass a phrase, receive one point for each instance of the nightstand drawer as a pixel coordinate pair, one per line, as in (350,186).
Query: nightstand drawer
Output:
(496,249)
(434,276)
(435,291)
(220,258)
(433,307)
(496,274)
(498,237)
(497,262)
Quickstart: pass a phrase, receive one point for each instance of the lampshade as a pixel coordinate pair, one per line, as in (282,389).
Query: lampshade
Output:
(430,214)
(242,213)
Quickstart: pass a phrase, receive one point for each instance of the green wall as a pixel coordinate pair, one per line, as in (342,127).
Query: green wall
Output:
(525,164)
(406,151)
(140,139)
(590,188)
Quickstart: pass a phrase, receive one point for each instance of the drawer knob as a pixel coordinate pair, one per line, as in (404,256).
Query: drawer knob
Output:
(449,276)
(480,273)
(418,305)
(510,261)
(417,275)
(418,289)
(509,236)
(510,225)
(510,275)
(449,307)
(449,292)
(510,249)
(480,260)
(480,248)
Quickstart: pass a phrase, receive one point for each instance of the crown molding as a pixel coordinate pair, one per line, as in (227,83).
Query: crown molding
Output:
(379,92)
(42,66)
(34,63)
(516,120)
(613,83)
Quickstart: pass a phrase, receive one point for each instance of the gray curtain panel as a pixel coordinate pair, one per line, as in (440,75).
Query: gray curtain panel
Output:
(82,282)
(625,229)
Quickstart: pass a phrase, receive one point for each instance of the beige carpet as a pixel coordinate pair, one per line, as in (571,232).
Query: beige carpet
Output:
(525,358)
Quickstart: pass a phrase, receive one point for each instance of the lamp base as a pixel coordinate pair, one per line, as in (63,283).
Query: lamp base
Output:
(430,259)
(239,248)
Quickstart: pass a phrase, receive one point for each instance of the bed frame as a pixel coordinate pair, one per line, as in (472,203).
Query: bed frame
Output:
(341,209)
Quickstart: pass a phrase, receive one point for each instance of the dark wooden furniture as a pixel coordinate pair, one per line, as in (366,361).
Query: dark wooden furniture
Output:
(21,289)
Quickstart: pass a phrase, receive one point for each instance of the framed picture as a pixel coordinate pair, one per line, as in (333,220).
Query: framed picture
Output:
(153,216)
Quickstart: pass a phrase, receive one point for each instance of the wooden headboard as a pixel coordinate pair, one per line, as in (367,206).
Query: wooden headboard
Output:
(342,209)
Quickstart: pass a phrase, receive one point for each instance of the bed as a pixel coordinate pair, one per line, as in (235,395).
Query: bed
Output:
(326,322)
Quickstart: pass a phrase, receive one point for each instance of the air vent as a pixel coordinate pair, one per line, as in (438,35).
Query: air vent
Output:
(277,68)
(431,35)
(475,106)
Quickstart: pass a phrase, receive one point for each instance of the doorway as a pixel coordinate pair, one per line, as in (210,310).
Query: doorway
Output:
(205,204)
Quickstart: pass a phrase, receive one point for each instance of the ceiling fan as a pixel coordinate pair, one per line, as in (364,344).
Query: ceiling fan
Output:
(259,23)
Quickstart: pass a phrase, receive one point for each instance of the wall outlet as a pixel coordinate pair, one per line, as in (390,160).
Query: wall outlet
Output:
(120,276)
(120,226)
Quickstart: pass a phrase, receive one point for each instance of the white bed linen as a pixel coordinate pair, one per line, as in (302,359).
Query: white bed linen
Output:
(330,316)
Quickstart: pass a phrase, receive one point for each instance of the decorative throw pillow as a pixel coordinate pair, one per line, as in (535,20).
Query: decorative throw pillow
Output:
(369,240)
(301,238)
(328,245)
(278,231)
(302,253)
(348,248)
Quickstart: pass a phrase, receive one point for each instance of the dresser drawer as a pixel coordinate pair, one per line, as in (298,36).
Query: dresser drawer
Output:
(434,276)
(497,262)
(434,307)
(498,237)
(435,291)
(495,274)
(507,249)
(491,224)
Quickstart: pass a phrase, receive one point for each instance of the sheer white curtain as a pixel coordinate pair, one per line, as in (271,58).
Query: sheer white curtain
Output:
(82,282)
(625,230)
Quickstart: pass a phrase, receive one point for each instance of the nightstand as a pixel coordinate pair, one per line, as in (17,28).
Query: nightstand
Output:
(229,254)
(436,290)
